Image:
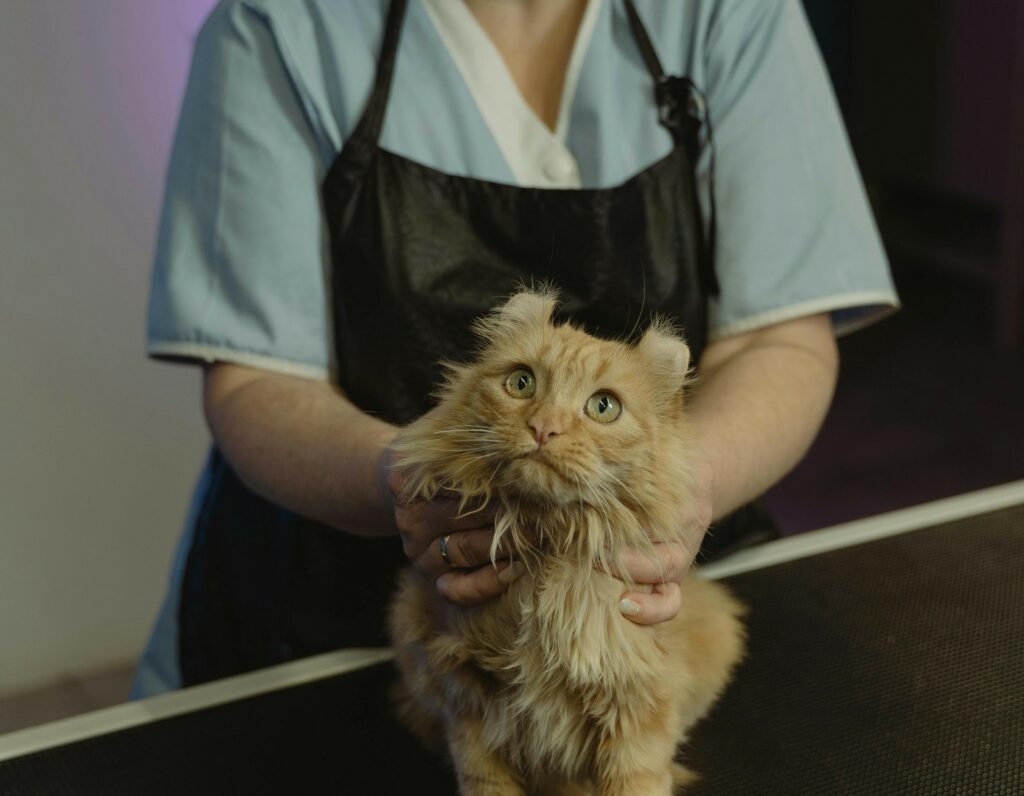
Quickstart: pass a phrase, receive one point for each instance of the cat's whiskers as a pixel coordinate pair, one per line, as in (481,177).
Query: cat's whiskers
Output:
(490,481)
(599,492)
(579,489)
(627,491)
(488,448)
(475,430)
(643,302)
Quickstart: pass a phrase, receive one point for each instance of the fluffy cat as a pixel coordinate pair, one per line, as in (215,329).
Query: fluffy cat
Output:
(580,443)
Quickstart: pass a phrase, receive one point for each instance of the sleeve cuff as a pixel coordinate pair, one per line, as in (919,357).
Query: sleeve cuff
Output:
(872,306)
(200,352)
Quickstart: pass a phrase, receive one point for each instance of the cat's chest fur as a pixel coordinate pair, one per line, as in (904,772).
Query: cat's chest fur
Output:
(558,665)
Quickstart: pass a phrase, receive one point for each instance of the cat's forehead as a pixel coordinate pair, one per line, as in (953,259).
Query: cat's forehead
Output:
(573,354)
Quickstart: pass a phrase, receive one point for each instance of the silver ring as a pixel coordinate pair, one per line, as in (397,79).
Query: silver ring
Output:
(444,550)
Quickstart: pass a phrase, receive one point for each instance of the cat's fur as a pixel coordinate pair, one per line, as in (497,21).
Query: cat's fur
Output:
(548,688)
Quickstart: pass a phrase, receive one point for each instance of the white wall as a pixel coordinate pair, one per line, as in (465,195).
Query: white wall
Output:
(98,447)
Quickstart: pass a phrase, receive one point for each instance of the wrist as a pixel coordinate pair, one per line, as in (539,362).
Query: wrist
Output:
(703,479)
(384,485)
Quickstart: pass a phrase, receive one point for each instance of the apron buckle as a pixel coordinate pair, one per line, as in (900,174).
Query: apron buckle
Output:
(676,95)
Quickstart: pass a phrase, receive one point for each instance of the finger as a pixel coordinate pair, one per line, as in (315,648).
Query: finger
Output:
(469,587)
(669,563)
(466,550)
(660,605)
(423,521)
(445,513)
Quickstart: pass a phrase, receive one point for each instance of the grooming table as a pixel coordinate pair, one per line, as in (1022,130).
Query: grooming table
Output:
(886,656)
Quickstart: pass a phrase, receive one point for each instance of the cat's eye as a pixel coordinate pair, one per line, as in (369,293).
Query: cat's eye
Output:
(604,407)
(520,383)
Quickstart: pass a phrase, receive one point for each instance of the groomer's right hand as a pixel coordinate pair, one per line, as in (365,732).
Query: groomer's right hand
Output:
(429,527)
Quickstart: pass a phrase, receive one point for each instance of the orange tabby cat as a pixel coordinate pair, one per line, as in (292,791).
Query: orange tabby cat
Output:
(581,445)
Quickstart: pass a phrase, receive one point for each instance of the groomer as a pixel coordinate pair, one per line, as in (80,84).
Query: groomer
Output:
(353,182)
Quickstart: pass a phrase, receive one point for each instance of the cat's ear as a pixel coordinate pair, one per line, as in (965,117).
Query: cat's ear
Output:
(526,310)
(530,307)
(667,355)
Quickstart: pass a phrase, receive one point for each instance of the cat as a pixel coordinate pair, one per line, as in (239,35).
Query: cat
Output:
(548,689)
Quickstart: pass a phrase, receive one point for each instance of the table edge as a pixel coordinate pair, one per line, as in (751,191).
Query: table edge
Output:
(880,526)
(187,700)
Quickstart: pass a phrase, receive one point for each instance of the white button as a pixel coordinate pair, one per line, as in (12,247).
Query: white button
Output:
(560,169)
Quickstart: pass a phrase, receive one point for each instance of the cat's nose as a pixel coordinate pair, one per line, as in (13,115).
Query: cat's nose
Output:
(544,428)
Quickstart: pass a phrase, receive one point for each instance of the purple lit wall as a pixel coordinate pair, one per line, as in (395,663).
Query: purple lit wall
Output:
(110,75)
(98,447)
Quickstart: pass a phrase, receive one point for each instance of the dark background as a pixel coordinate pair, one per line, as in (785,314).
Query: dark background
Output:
(930,402)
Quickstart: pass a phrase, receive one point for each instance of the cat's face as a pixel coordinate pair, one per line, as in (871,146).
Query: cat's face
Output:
(563,416)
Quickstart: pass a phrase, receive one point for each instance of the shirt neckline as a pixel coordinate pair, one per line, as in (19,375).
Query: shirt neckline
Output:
(536,155)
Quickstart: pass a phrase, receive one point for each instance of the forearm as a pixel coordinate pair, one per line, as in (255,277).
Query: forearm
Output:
(758,404)
(301,444)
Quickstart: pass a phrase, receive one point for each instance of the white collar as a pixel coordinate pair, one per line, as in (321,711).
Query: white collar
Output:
(536,156)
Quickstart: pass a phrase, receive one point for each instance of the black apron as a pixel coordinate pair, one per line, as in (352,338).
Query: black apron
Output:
(417,255)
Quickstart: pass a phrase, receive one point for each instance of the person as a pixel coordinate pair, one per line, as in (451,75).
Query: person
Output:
(353,182)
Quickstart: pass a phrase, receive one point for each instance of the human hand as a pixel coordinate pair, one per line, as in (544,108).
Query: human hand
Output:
(468,576)
(673,559)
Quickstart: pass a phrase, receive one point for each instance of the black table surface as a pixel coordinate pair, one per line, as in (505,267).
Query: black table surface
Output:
(890,667)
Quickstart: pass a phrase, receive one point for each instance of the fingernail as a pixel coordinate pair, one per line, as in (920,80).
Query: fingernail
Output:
(511,573)
(629,608)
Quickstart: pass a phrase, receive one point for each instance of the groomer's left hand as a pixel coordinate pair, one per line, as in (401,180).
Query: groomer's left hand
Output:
(673,561)
(463,573)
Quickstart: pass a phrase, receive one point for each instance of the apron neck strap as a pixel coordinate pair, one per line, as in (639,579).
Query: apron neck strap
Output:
(372,121)
(678,98)
(643,41)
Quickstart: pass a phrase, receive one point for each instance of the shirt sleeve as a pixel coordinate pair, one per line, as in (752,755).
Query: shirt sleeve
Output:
(796,234)
(241,260)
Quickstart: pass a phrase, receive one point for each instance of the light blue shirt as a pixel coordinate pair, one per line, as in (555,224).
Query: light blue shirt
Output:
(277,85)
